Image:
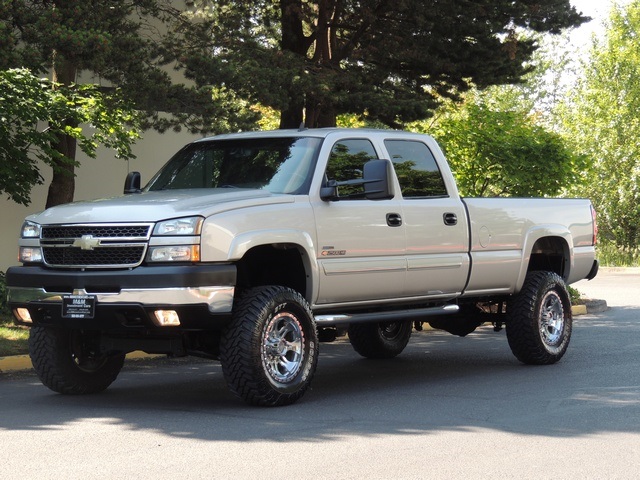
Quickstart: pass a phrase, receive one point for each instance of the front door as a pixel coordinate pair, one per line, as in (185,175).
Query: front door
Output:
(361,244)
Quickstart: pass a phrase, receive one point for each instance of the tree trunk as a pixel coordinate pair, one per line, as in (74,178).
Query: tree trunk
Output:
(293,40)
(321,112)
(62,185)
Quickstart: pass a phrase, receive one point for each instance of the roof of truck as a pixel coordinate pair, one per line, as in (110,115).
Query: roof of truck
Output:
(309,132)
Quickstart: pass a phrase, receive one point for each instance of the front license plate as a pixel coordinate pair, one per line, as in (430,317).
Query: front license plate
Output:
(78,306)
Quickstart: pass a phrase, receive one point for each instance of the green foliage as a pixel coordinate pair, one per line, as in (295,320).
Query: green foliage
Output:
(496,152)
(128,44)
(390,61)
(601,118)
(574,295)
(33,114)
(612,255)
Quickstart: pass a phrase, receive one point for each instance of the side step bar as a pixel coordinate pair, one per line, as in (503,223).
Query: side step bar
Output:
(338,319)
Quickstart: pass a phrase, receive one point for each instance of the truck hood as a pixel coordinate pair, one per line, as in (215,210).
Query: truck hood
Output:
(156,206)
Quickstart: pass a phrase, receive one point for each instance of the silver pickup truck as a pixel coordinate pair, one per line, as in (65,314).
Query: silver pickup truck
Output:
(251,248)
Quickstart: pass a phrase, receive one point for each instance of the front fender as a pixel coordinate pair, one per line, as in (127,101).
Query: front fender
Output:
(244,242)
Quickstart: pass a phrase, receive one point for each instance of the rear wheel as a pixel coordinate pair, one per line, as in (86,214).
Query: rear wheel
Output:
(69,362)
(269,352)
(380,340)
(539,321)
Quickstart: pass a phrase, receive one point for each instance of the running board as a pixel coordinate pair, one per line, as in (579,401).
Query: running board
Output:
(327,320)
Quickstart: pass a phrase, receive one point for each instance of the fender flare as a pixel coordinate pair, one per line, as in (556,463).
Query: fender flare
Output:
(244,242)
(536,233)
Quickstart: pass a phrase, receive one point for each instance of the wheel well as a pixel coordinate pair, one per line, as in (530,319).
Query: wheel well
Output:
(278,264)
(550,254)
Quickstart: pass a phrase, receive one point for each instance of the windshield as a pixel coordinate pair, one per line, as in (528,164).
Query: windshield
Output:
(279,165)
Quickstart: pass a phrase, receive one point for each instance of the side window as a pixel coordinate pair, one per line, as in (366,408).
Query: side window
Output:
(416,169)
(346,162)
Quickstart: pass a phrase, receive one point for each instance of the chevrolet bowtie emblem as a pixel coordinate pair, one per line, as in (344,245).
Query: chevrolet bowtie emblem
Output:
(86,242)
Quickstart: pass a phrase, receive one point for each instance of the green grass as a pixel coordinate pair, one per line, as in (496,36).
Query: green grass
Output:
(13,339)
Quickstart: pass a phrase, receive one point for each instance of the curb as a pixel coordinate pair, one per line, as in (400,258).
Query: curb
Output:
(590,306)
(578,310)
(23,362)
(14,363)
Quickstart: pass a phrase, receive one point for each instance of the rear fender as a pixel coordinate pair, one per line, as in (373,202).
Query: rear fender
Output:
(556,236)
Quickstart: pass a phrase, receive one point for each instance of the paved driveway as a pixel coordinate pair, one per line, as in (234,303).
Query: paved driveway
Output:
(448,407)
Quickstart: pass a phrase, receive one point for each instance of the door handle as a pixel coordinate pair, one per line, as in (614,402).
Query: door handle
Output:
(394,219)
(450,219)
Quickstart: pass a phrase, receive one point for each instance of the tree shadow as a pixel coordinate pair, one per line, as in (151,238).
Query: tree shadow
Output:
(440,383)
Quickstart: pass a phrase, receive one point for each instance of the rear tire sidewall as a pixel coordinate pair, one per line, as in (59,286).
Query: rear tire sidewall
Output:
(380,340)
(539,322)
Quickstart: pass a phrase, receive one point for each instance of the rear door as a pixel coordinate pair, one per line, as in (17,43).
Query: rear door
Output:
(435,222)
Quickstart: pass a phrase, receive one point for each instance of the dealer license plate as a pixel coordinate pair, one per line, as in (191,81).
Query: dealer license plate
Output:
(78,306)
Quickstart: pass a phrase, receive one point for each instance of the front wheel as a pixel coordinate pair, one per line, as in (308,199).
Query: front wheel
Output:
(380,340)
(539,319)
(69,361)
(269,352)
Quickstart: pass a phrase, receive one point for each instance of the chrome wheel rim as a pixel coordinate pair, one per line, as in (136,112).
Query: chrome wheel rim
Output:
(283,347)
(552,319)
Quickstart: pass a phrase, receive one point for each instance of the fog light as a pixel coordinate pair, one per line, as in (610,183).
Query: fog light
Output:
(167,318)
(23,315)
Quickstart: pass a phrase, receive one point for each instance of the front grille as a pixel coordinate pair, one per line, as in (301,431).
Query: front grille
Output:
(97,231)
(95,245)
(99,257)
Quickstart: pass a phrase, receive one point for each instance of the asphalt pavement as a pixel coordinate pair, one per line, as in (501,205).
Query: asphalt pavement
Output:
(448,407)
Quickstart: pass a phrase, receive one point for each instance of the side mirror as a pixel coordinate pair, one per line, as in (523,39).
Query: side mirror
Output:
(374,184)
(376,180)
(132,183)
(329,193)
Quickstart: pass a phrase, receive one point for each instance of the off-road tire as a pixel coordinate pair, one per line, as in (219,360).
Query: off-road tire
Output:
(380,340)
(66,361)
(539,321)
(269,352)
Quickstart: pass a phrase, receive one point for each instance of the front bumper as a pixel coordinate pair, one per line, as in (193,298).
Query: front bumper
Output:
(201,294)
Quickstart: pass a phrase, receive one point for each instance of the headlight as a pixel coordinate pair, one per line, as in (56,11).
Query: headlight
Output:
(179,226)
(174,253)
(30,230)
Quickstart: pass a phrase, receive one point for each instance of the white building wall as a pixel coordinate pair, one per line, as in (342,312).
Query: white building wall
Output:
(95,178)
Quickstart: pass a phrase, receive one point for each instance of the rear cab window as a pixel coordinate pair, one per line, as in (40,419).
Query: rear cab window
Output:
(416,169)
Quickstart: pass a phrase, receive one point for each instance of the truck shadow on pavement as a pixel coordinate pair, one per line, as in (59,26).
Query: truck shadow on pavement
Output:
(439,383)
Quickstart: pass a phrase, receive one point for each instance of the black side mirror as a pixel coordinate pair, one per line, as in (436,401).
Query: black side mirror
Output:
(376,180)
(375,183)
(329,192)
(132,183)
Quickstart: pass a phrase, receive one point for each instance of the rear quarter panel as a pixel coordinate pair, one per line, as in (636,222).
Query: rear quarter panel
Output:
(504,231)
